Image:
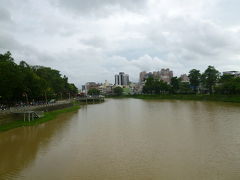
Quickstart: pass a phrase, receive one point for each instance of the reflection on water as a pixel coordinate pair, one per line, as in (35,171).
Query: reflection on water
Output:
(19,147)
(128,139)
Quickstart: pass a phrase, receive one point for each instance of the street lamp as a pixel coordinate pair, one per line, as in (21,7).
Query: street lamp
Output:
(25,94)
(60,95)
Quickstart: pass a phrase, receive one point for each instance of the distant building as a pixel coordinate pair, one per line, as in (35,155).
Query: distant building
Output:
(106,88)
(165,75)
(142,76)
(233,73)
(121,79)
(89,85)
(135,88)
(184,78)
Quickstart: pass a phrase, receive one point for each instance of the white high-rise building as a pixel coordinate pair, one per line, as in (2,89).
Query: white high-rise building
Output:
(121,79)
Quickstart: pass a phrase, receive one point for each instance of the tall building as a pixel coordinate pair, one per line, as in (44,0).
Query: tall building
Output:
(117,80)
(184,78)
(165,75)
(89,85)
(121,79)
(142,76)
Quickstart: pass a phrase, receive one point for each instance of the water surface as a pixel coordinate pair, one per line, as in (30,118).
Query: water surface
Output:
(128,139)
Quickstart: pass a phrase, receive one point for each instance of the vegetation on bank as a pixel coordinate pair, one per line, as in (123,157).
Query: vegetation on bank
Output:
(196,97)
(25,83)
(118,91)
(209,82)
(47,117)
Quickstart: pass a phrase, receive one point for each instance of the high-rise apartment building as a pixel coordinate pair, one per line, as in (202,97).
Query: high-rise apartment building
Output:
(142,76)
(121,79)
(165,75)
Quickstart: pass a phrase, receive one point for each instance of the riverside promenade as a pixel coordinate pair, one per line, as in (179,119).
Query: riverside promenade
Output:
(19,109)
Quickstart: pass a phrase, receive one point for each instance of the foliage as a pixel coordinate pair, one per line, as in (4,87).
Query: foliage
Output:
(195,79)
(208,82)
(25,83)
(185,88)
(210,78)
(118,91)
(155,86)
(94,91)
(175,84)
(229,85)
(197,97)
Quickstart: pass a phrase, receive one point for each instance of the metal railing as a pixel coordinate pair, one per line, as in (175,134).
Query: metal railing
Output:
(32,107)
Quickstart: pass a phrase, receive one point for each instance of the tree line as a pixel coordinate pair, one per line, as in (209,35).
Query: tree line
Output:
(209,82)
(24,83)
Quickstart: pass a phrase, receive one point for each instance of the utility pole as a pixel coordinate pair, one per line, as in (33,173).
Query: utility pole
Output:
(25,94)
(46,96)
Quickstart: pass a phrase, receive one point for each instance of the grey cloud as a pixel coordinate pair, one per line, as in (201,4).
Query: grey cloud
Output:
(227,12)
(94,41)
(93,49)
(186,36)
(7,42)
(4,15)
(100,7)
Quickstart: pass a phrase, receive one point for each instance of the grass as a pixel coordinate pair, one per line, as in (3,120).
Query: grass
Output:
(197,97)
(47,117)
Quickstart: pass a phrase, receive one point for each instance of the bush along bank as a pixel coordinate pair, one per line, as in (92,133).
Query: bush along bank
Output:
(200,97)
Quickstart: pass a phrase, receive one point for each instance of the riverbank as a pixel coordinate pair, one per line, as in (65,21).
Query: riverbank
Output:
(198,97)
(47,117)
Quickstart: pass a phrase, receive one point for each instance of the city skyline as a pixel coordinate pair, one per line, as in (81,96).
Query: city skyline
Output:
(142,76)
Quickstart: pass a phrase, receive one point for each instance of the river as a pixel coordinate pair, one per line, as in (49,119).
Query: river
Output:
(128,139)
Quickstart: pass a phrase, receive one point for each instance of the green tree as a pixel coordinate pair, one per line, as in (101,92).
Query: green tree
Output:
(27,83)
(210,78)
(184,88)
(161,87)
(149,86)
(175,84)
(229,85)
(195,79)
(11,79)
(94,91)
(155,86)
(118,91)
(6,57)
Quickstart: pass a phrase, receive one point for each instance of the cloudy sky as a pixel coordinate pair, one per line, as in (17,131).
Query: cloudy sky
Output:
(91,40)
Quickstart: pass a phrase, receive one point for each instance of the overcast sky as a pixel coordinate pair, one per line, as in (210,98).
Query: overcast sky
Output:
(91,40)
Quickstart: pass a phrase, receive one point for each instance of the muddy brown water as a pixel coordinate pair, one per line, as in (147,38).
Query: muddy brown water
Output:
(128,139)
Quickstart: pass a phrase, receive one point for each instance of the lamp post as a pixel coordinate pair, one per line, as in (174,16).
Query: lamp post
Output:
(61,96)
(25,94)
(46,97)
